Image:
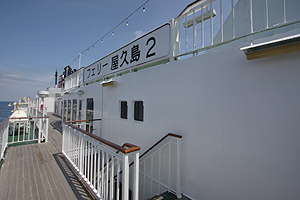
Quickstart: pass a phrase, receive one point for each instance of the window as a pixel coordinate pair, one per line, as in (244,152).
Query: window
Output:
(89,114)
(124,109)
(90,109)
(74,113)
(139,110)
(69,111)
(62,108)
(65,110)
(79,109)
(56,107)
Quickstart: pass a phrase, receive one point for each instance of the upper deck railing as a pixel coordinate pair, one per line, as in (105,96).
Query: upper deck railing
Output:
(74,80)
(203,25)
(22,129)
(30,128)
(25,129)
(3,137)
(209,23)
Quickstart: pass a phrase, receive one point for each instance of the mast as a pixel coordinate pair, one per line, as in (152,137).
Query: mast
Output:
(56,79)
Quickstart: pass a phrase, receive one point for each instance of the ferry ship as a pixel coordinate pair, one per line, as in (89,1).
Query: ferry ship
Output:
(205,106)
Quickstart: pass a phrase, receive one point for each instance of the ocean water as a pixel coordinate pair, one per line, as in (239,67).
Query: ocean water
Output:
(5,110)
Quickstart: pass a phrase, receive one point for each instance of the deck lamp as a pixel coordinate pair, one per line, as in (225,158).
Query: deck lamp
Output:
(108,83)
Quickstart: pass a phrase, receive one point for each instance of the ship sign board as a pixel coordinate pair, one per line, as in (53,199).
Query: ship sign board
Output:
(152,46)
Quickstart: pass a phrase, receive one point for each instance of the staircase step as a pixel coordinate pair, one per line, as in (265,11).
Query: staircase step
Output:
(164,196)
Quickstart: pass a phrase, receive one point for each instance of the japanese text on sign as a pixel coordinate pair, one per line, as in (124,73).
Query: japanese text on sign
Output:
(151,46)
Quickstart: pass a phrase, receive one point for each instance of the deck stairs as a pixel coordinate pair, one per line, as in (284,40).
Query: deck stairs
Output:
(167,196)
(164,196)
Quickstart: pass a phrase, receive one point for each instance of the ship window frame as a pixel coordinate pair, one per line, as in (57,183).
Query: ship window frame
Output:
(123,109)
(69,110)
(74,109)
(62,108)
(138,110)
(90,108)
(79,109)
(65,110)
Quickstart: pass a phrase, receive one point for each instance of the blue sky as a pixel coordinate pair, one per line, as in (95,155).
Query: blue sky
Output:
(39,36)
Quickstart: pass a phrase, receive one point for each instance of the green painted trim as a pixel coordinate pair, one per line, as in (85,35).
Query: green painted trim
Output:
(151,65)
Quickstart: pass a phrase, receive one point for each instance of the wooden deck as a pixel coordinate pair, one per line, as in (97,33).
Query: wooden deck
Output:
(37,171)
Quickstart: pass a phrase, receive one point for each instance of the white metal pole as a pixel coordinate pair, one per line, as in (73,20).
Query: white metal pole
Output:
(233,19)
(221,21)
(118,180)
(202,28)
(211,25)
(111,195)
(136,176)
(178,184)
(194,31)
(47,123)
(40,126)
(79,60)
(186,32)
(284,11)
(251,16)
(125,184)
(266,14)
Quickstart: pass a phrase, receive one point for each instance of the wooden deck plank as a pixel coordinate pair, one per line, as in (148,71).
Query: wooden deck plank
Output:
(57,194)
(7,180)
(54,170)
(34,194)
(36,171)
(20,174)
(32,171)
(46,167)
(13,180)
(3,174)
(27,181)
(41,158)
(55,174)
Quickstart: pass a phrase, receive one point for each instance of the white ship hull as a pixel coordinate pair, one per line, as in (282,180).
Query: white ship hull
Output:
(238,118)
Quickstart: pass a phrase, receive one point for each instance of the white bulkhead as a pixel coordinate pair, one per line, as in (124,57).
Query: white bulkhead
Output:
(239,118)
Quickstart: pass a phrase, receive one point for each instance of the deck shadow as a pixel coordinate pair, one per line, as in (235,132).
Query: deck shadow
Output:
(56,125)
(77,187)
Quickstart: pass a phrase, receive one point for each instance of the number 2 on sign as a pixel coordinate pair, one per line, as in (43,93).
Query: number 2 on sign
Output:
(149,54)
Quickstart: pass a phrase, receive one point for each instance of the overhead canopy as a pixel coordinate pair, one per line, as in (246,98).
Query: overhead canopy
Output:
(272,48)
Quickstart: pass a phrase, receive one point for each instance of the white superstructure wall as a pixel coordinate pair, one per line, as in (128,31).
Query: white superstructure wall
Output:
(239,120)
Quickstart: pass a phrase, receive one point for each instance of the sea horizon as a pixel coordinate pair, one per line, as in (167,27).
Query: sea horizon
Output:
(5,110)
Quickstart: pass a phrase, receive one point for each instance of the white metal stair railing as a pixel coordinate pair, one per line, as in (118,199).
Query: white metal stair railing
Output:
(101,164)
(160,167)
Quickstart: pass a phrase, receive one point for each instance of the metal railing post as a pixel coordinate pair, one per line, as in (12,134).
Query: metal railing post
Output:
(81,156)
(46,131)
(125,179)
(40,127)
(63,137)
(136,176)
(3,139)
(97,161)
(178,174)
